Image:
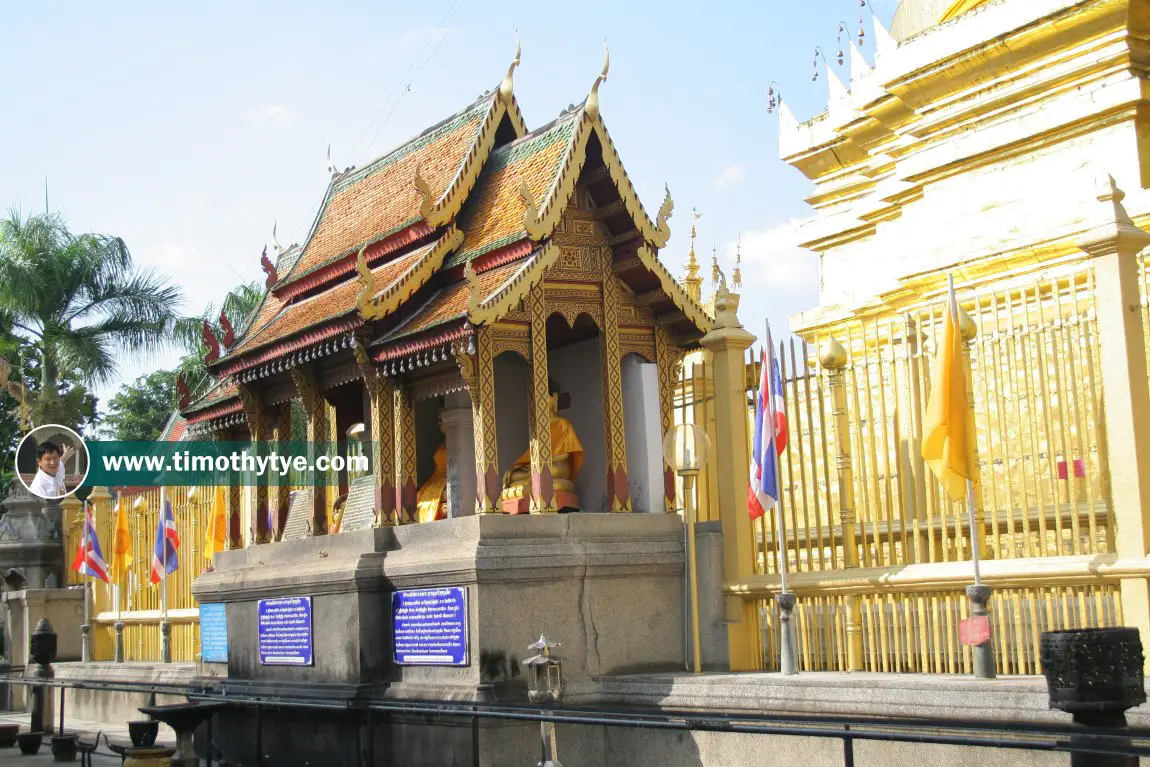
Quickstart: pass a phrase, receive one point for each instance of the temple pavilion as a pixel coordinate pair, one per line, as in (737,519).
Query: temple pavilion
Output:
(484,295)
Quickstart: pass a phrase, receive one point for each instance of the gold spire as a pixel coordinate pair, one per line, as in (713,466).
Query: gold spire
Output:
(714,263)
(692,283)
(737,275)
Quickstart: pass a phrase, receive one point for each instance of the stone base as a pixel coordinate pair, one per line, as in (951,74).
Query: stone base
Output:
(607,586)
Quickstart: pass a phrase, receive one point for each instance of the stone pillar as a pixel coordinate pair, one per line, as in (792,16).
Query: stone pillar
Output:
(315,412)
(728,342)
(834,358)
(381,399)
(477,367)
(670,361)
(611,358)
(1114,244)
(279,497)
(459,434)
(542,478)
(405,463)
(259,424)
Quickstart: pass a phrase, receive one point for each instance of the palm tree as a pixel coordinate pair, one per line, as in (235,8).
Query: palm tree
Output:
(80,299)
(240,305)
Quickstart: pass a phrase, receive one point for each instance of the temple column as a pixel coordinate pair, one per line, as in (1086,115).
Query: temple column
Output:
(1114,243)
(542,477)
(381,396)
(405,463)
(459,437)
(235,530)
(315,414)
(728,342)
(258,423)
(280,485)
(477,367)
(669,360)
(618,487)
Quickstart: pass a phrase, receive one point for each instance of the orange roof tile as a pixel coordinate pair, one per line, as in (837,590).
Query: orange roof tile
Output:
(493,214)
(450,301)
(214,396)
(381,197)
(332,302)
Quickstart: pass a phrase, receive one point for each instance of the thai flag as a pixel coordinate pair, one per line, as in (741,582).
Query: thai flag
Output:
(164,558)
(89,559)
(770,437)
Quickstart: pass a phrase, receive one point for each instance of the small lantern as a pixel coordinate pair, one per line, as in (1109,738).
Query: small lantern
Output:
(686,449)
(544,673)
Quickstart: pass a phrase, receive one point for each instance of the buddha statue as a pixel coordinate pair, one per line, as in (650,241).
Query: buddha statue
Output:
(566,459)
(431,499)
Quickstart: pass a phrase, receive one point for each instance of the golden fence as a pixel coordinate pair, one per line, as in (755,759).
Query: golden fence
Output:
(1042,496)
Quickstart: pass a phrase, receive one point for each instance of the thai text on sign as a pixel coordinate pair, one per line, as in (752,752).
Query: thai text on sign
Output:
(430,626)
(285,631)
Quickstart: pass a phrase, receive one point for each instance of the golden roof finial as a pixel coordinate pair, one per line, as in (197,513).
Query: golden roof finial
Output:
(507,87)
(692,284)
(737,275)
(714,261)
(592,107)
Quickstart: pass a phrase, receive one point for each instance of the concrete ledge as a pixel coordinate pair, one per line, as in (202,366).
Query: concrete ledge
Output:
(112,706)
(1011,698)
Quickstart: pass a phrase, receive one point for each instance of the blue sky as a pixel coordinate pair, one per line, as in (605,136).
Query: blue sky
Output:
(189,130)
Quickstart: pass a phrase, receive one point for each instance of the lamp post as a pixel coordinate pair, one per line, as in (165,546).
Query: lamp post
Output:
(545,687)
(686,449)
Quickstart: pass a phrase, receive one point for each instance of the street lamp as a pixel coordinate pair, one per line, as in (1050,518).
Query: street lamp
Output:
(545,687)
(686,449)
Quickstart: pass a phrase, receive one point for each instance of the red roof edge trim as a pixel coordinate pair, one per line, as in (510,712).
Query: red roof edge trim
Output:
(215,411)
(295,344)
(494,259)
(346,263)
(440,337)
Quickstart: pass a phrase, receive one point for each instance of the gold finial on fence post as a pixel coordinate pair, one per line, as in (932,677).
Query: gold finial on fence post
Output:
(834,358)
(969,331)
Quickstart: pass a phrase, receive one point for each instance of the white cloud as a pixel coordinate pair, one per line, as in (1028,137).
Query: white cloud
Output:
(271,113)
(730,175)
(772,258)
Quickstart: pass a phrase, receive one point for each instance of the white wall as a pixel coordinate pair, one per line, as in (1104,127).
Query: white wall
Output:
(576,370)
(643,432)
(511,408)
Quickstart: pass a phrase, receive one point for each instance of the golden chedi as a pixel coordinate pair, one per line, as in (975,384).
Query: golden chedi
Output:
(566,459)
(431,500)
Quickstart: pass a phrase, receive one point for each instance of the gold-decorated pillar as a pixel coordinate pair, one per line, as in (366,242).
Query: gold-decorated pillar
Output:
(618,486)
(381,397)
(235,531)
(477,367)
(728,342)
(315,415)
(542,477)
(279,496)
(670,362)
(258,423)
(405,464)
(1114,242)
(834,358)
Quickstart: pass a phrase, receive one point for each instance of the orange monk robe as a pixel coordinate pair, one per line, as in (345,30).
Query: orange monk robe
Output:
(429,501)
(563,440)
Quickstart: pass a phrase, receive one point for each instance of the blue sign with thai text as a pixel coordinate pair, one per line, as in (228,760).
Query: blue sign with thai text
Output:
(285,636)
(213,633)
(430,627)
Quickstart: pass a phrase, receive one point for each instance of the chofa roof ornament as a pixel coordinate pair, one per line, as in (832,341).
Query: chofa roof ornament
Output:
(592,107)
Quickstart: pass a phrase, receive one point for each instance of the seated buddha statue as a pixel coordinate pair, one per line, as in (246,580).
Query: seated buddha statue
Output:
(431,499)
(566,458)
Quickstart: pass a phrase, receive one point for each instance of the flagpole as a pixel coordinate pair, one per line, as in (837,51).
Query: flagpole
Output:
(165,626)
(786,600)
(982,654)
(86,629)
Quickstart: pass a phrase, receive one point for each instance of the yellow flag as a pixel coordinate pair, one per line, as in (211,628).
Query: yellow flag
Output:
(121,544)
(946,437)
(217,526)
